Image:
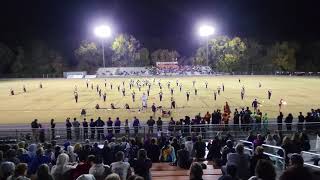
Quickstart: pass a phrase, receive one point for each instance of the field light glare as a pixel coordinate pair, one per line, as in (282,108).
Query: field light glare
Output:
(206,30)
(102,31)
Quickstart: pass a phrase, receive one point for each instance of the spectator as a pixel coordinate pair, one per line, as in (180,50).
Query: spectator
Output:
(83,166)
(73,157)
(121,168)
(12,156)
(113,176)
(199,148)
(183,158)
(231,173)
(20,172)
(98,169)
(264,171)
(6,169)
(38,160)
(142,165)
(227,149)
(43,172)
(305,142)
(196,171)
(257,157)
(86,177)
(240,160)
(167,153)
(258,141)
(60,170)
(189,145)
(296,170)
(270,140)
(214,149)
(153,151)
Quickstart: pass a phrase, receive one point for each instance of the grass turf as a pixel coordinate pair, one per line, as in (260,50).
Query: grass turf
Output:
(56,98)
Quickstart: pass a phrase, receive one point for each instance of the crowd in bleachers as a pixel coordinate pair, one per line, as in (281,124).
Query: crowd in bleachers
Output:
(184,70)
(121,158)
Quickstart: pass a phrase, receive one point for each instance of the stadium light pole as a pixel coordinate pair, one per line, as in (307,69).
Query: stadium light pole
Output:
(102,32)
(206,31)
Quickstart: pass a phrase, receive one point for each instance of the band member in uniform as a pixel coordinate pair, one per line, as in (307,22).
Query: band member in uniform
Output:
(11,92)
(87,83)
(260,85)
(171,91)
(242,94)
(194,83)
(123,91)
(24,88)
(148,92)
(269,94)
(215,95)
(92,86)
(118,88)
(188,95)
(222,87)
(219,89)
(206,84)
(160,95)
(97,87)
(111,86)
(133,96)
(104,96)
(100,93)
(40,85)
(173,103)
(255,104)
(195,91)
(76,96)
(105,83)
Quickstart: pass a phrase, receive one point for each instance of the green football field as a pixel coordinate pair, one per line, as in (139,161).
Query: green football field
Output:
(56,98)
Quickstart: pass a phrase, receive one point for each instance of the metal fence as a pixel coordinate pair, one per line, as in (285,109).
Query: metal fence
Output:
(208,131)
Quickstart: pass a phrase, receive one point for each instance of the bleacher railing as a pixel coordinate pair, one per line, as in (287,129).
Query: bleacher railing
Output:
(208,131)
(315,157)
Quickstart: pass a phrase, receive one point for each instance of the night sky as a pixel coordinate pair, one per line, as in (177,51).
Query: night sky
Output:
(156,23)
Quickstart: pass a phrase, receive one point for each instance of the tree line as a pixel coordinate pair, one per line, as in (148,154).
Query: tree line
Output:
(226,54)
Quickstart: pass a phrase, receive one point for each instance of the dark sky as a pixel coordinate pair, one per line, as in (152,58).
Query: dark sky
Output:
(156,23)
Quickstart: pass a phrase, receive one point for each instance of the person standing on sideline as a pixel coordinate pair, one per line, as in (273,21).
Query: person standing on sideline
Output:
(76,128)
(279,121)
(150,124)
(265,120)
(53,126)
(300,122)
(100,124)
(117,124)
(68,126)
(109,126)
(85,128)
(126,126)
(159,124)
(288,122)
(35,129)
(136,124)
(92,128)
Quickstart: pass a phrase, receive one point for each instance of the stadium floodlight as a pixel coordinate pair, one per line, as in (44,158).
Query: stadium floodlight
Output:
(206,31)
(102,32)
